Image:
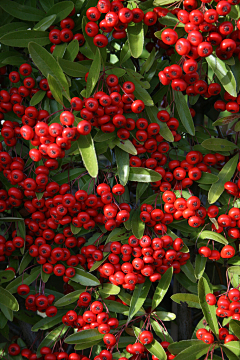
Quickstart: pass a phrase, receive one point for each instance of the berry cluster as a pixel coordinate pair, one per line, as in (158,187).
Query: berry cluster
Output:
(227,305)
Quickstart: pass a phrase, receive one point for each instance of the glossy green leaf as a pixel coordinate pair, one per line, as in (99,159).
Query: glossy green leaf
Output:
(127,146)
(24,262)
(8,313)
(51,337)
(125,53)
(55,89)
(171,20)
(165,315)
(234,347)
(13,26)
(48,65)
(22,38)
(189,271)
(109,289)
(140,92)
(69,298)
(160,331)
(8,300)
(122,160)
(22,12)
(135,39)
(45,23)
(200,264)
(59,51)
(212,235)
(223,73)
(224,175)
(154,348)
(6,276)
(139,296)
(162,288)
(209,312)
(85,278)
(138,226)
(37,98)
(184,112)
(164,129)
(117,307)
(48,322)
(85,335)
(149,62)
(190,299)
(141,188)
(87,150)
(207,178)
(235,327)
(94,72)
(193,349)
(72,50)
(217,144)
(102,137)
(72,68)
(143,175)
(234,270)
(61,9)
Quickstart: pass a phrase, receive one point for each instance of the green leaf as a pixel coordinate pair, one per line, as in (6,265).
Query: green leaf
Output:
(8,300)
(183,112)
(86,344)
(87,150)
(127,146)
(235,327)
(48,65)
(85,335)
(138,226)
(234,347)
(20,11)
(217,144)
(37,98)
(141,188)
(6,275)
(68,176)
(72,50)
(102,137)
(61,9)
(122,160)
(125,53)
(85,278)
(44,276)
(22,38)
(223,73)
(149,62)
(154,348)
(94,72)
(143,175)
(212,235)
(59,51)
(234,270)
(189,271)
(164,129)
(162,288)
(117,307)
(140,92)
(69,298)
(55,89)
(13,26)
(45,23)
(162,2)
(229,353)
(171,20)
(166,316)
(135,39)
(25,262)
(8,313)
(109,289)
(224,175)
(161,332)
(25,278)
(200,264)
(138,297)
(193,349)
(209,312)
(207,178)
(47,323)
(50,339)
(190,299)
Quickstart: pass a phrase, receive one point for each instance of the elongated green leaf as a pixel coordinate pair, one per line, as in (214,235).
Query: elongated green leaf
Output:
(26,279)
(229,353)
(20,11)
(37,98)
(191,352)
(22,38)
(84,278)
(48,323)
(25,262)
(69,298)
(189,271)
(140,92)
(160,331)
(127,146)
(149,62)
(110,289)
(190,299)
(212,235)
(141,188)
(207,178)
(85,335)
(208,311)
(171,20)
(234,270)
(6,276)
(138,226)
(164,129)
(8,300)
(165,315)
(113,306)
(122,159)
(102,137)
(184,113)
(235,327)
(48,65)
(55,89)
(8,313)
(217,144)
(59,51)
(162,288)
(177,347)
(125,53)
(61,9)
(223,73)
(135,39)
(143,175)
(234,347)
(154,348)
(13,26)
(94,72)
(88,153)
(45,23)
(72,50)
(138,298)
(224,175)
(50,339)
(200,264)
